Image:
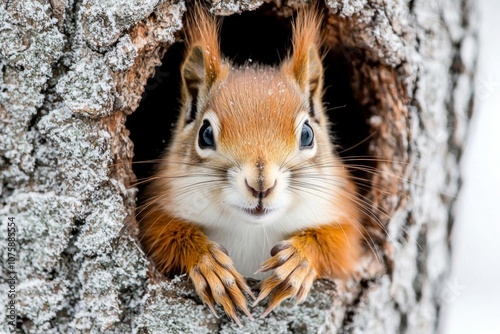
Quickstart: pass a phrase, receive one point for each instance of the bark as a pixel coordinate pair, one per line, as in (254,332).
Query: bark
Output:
(73,70)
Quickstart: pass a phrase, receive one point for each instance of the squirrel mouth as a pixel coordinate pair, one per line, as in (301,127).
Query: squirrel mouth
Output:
(258,211)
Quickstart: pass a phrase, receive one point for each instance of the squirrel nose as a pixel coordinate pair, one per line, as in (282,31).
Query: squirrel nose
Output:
(261,193)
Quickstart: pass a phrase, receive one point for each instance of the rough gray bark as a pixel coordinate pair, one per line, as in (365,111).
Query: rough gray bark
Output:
(72,70)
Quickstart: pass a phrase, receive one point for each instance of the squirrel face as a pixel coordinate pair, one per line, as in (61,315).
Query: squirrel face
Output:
(256,123)
(246,133)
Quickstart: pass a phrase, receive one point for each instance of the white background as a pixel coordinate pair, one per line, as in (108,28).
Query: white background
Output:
(473,304)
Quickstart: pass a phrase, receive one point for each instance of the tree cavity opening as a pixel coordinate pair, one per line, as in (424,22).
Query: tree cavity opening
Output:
(267,41)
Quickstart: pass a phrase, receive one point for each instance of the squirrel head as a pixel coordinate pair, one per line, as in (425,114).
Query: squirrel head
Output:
(251,127)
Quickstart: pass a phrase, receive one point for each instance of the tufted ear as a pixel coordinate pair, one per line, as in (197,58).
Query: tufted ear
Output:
(305,65)
(202,65)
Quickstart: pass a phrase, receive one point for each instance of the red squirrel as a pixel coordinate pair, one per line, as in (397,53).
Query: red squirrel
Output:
(250,185)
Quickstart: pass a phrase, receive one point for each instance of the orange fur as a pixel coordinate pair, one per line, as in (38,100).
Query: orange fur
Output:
(233,102)
(306,43)
(305,62)
(332,249)
(203,65)
(203,31)
(174,245)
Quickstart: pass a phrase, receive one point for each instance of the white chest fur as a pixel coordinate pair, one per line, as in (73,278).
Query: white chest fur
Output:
(248,246)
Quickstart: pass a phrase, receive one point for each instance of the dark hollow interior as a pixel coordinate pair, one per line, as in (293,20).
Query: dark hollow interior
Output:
(266,42)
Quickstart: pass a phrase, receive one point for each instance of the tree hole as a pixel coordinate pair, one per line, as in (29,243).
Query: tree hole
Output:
(267,42)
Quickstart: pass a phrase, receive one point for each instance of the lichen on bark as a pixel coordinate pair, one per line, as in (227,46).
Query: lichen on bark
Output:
(63,147)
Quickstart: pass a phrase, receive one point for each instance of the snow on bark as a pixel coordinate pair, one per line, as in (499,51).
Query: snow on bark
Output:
(224,7)
(88,87)
(380,28)
(72,70)
(29,44)
(105,21)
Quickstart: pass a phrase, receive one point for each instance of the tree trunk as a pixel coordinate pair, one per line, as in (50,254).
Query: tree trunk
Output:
(74,70)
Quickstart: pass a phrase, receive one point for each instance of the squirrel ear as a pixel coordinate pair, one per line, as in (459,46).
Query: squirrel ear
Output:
(203,64)
(199,72)
(193,77)
(305,65)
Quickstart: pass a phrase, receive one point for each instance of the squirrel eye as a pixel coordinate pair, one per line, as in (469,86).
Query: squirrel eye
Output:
(206,136)
(306,136)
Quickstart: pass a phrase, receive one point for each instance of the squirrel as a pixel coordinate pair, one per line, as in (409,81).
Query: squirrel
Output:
(250,185)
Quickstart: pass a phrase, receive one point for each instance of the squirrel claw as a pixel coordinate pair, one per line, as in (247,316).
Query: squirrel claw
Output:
(217,282)
(293,276)
(278,258)
(203,289)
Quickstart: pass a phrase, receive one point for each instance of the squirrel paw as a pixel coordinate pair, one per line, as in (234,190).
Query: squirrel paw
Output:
(217,281)
(293,275)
